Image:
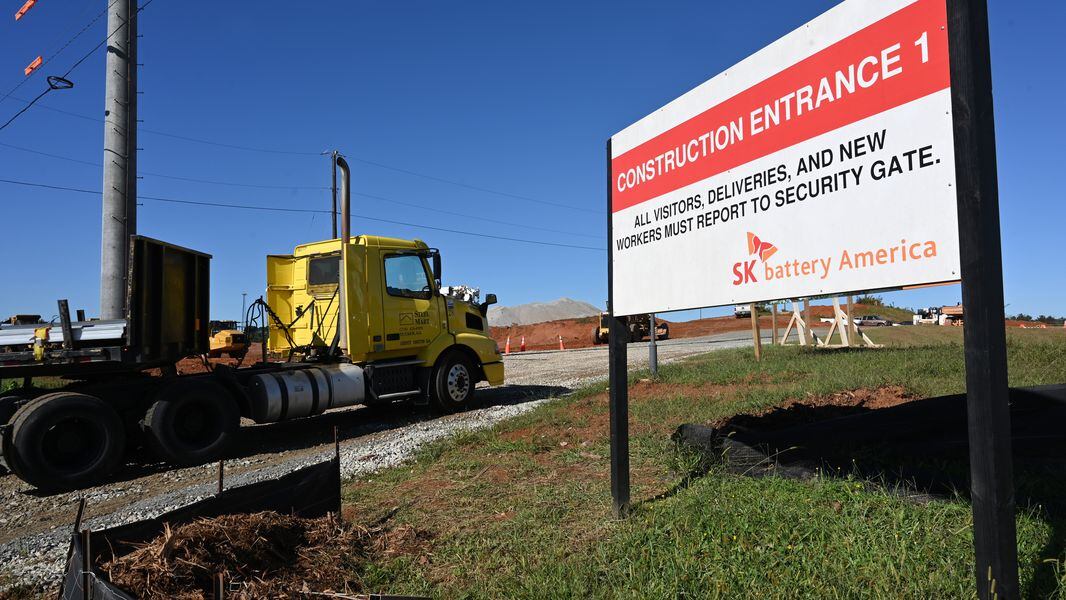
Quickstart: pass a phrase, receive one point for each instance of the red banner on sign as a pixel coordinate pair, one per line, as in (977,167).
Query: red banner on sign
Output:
(892,62)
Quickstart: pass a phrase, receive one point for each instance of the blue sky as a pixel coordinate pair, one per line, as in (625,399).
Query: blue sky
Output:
(515,98)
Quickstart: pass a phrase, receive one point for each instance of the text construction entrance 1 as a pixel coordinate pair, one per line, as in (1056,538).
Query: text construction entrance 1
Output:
(822,164)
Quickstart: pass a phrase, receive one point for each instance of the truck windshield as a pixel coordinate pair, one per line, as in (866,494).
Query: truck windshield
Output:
(405,276)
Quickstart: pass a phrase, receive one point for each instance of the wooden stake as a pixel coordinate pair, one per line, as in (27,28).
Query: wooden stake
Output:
(773,324)
(838,322)
(807,333)
(221,475)
(757,339)
(852,329)
(86,565)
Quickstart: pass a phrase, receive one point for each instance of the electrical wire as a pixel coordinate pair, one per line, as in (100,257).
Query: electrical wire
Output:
(76,64)
(302,153)
(470,187)
(307,210)
(308,187)
(60,51)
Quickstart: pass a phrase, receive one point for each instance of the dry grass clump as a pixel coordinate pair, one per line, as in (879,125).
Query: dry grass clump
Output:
(262,555)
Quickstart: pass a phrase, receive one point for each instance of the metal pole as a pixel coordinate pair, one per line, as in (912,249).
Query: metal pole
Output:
(756,335)
(988,412)
(117,199)
(653,351)
(618,377)
(333,179)
(244,310)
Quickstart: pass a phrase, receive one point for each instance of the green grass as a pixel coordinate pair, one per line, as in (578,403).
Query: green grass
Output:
(523,510)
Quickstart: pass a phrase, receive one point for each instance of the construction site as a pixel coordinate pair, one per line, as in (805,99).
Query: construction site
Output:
(316,360)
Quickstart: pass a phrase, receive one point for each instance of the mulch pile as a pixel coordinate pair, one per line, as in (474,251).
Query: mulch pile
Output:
(262,555)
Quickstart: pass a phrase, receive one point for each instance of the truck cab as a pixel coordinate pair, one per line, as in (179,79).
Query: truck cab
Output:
(378,303)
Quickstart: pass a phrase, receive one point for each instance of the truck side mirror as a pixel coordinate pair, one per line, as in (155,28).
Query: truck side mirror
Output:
(436,267)
(483,308)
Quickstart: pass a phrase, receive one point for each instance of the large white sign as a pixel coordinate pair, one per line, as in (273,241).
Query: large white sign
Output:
(822,164)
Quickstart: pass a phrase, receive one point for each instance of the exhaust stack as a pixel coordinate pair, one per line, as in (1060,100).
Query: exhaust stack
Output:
(346,199)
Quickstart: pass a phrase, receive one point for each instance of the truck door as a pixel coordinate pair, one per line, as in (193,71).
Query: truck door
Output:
(410,311)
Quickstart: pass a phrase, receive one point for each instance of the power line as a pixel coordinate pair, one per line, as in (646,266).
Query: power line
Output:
(306,210)
(167,176)
(105,40)
(468,186)
(306,187)
(60,51)
(372,163)
(66,84)
(469,216)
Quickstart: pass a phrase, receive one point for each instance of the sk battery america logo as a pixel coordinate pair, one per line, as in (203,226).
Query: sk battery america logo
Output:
(744,271)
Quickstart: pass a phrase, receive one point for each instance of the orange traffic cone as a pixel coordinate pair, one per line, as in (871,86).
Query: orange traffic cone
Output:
(522,348)
(507,346)
(561,343)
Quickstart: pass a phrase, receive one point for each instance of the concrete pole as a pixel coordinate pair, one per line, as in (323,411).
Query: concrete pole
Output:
(131,124)
(119,209)
(653,351)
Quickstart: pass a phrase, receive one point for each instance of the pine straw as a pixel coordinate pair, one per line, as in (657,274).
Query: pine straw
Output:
(262,555)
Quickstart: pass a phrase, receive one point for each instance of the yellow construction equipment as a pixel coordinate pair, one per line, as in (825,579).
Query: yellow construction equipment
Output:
(227,340)
(639,327)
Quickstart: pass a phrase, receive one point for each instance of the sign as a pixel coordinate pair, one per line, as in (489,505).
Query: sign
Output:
(822,164)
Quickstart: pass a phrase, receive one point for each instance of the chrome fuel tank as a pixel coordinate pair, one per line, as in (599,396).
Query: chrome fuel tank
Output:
(297,393)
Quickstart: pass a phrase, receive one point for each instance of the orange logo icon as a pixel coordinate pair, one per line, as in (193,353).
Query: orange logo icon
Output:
(763,249)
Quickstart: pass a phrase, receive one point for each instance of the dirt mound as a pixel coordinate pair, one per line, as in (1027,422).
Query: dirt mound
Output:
(577,333)
(263,555)
(799,411)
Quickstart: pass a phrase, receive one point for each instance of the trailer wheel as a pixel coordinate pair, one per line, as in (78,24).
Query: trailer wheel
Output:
(453,383)
(66,440)
(192,422)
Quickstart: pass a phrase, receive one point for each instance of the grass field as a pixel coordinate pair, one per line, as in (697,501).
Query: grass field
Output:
(523,510)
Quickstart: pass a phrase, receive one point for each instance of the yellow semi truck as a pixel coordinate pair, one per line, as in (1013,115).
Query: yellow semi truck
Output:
(378,303)
(360,320)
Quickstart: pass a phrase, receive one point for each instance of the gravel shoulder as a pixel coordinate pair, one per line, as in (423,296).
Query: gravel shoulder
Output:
(35,529)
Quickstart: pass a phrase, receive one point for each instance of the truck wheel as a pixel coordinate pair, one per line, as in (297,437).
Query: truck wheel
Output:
(66,440)
(192,422)
(596,336)
(634,334)
(453,383)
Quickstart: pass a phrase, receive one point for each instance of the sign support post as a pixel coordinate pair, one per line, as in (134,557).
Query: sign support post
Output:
(618,377)
(988,413)
(653,351)
(755,333)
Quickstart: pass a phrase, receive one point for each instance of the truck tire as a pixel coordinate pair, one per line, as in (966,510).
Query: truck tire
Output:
(192,422)
(596,337)
(452,383)
(65,440)
(635,334)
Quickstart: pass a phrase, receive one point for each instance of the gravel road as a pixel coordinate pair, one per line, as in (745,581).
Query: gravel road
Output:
(35,528)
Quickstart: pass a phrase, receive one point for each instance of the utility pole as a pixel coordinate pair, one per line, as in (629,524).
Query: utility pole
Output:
(119,214)
(244,311)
